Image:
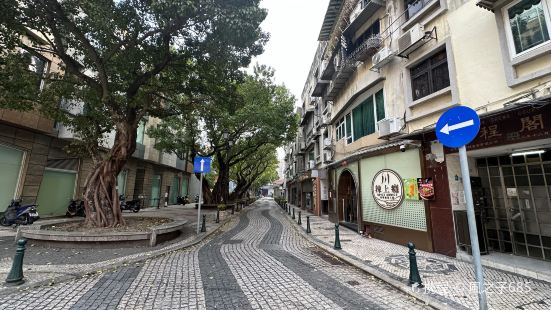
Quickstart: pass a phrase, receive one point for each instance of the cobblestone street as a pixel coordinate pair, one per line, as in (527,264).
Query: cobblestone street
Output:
(258,261)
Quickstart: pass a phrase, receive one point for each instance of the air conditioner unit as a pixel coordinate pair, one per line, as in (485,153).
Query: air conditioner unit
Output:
(326,119)
(311,164)
(327,156)
(382,57)
(389,126)
(315,132)
(412,39)
(327,143)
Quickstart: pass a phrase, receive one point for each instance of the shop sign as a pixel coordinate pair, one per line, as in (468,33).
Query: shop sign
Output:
(387,189)
(512,127)
(410,189)
(426,188)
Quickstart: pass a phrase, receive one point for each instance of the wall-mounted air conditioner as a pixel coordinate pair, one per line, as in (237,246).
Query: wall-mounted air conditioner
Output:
(411,40)
(311,164)
(382,57)
(326,119)
(327,143)
(389,126)
(327,156)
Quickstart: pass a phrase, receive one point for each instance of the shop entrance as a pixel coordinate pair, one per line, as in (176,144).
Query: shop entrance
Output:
(517,208)
(346,201)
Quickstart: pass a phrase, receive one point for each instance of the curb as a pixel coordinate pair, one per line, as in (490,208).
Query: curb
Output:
(6,290)
(357,263)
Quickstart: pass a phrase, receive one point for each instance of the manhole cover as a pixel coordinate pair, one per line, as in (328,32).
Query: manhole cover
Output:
(353,282)
(328,258)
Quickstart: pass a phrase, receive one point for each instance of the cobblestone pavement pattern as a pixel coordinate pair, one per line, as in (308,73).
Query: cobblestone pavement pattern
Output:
(258,262)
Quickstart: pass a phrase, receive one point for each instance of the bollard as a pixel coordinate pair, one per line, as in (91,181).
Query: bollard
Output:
(15,277)
(299,218)
(308,224)
(217,216)
(293,217)
(204,225)
(288,210)
(232,209)
(337,245)
(414,276)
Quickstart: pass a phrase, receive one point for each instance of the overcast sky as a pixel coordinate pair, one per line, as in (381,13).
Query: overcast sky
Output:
(294,26)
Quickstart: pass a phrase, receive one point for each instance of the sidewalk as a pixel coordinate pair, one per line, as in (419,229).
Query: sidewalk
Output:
(43,266)
(449,282)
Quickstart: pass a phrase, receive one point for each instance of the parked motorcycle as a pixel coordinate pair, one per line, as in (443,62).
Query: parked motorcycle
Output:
(19,214)
(182,200)
(76,207)
(133,205)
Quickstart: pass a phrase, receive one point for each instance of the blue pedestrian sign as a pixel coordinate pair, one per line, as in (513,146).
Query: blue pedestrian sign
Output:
(201,164)
(457,126)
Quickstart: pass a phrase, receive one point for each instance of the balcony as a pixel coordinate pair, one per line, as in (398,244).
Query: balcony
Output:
(366,49)
(308,112)
(363,11)
(344,68)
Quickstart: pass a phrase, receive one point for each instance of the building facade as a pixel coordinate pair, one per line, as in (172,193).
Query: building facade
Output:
(36,167)
(388,70)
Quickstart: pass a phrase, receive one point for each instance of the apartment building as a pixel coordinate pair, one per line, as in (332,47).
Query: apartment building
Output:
(388,70)
(36,167)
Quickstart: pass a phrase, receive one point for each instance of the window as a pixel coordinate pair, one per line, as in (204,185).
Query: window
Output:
(373,30)
(367,114)
(526,22)
(39,66)
(140,132)
(430,76)
(415,6)
(340,129)
(349,138)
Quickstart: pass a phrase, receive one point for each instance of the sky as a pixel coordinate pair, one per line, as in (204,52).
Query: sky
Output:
(294,27)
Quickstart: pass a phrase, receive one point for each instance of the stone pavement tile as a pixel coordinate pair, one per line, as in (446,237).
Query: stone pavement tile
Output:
(445,278)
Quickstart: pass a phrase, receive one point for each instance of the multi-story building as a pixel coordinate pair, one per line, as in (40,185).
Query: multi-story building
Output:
(36,167)
(388,70)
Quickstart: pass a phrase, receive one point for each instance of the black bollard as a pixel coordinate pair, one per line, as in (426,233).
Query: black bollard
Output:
(217,216)
(232,209)
(288,210)
(204,225)
(414,276)
(337,245)
(15,277)
(293,217)
(308,224)
(299,218)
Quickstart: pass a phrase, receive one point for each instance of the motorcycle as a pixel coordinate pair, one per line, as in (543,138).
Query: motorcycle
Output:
(19,214)
(182,200)
(76,207)
(133,205)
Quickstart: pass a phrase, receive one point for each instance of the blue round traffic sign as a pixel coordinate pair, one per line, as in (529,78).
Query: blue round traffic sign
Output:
(457,126)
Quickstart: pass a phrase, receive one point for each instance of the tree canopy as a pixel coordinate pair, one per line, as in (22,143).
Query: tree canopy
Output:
(120,61)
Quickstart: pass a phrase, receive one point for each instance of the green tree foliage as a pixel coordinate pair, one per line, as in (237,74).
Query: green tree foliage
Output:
(253,112)
(255,171)
(123,60)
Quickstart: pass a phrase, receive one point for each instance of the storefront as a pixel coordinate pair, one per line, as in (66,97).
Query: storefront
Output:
(510,163)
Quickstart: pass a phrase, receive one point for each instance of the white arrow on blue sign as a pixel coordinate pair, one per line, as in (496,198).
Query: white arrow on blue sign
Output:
(458,126)
(201,164)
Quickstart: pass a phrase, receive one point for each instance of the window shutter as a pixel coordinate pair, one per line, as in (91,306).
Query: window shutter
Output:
(380,101)
(369,116)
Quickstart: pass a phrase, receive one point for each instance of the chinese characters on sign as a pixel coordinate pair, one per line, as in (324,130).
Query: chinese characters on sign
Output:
(387,189)
(513,126)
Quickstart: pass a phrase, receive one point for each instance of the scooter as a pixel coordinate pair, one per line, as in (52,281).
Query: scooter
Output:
(19,214)
(133,205)
(76,207)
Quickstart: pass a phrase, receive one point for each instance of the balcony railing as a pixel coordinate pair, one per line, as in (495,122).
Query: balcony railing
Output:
(366,49)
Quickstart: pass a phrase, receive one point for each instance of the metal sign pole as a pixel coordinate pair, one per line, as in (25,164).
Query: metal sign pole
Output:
(199,202)
(472,228)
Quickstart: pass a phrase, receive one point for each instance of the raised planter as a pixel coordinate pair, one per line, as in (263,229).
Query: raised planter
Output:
(69,239)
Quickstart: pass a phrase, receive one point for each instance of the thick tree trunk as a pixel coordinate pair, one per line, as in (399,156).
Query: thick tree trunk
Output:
(100,196)
(221,187)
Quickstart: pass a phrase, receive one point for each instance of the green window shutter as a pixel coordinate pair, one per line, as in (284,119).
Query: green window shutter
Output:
(369,116)
(358,124)
(380,100)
